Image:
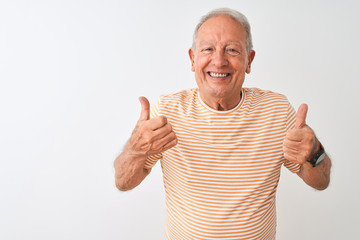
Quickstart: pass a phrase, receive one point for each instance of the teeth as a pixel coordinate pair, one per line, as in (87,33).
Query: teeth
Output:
(219,75)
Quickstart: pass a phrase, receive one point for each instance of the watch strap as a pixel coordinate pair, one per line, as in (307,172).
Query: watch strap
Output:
(319,157)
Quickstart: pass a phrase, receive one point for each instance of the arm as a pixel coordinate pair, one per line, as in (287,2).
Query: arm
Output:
(317,177)
(150,137)
(129,170)
(301,145)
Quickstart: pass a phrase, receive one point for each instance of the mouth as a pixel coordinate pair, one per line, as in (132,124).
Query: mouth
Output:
(218,75)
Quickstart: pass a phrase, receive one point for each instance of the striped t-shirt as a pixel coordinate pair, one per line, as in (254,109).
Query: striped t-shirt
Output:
(221,178)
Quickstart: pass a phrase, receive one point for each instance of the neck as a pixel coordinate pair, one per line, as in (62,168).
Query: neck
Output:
(221,104)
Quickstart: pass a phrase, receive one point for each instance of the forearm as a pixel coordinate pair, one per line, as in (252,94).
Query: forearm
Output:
(150,137)
(317,177)
(129,170)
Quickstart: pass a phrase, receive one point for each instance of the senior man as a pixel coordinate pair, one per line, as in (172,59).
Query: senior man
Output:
(221,146)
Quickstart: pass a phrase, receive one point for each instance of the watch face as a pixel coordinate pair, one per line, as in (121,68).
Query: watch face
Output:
(320,159)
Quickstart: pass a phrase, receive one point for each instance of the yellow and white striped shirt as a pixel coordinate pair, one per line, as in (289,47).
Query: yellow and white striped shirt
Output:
(221,178)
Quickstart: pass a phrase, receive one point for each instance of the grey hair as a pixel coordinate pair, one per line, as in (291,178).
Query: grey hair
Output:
(237,16)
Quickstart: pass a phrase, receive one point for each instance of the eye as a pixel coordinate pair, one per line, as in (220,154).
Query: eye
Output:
(207,50)
(232,51)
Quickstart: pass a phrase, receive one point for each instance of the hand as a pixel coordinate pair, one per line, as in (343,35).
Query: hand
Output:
(300,143)
(151,136)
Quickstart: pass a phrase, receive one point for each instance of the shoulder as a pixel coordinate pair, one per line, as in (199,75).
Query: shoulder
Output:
(181,95)
(265,101)
(177,104)
(181,98)
(257,94)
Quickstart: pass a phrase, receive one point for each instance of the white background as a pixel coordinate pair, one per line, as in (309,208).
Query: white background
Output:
(70,76)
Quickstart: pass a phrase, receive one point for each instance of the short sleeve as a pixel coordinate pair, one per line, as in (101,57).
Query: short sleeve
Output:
(290,124)
(152,159)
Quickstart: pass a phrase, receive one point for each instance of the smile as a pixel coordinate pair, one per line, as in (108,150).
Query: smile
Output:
(218,75)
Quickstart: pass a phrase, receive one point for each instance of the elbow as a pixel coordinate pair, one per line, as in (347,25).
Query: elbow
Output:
(128,180)
(122,188)
(317,183)
(122,185)
(122,180)
(322,186)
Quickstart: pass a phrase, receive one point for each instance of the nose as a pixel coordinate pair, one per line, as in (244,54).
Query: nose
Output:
(219,58)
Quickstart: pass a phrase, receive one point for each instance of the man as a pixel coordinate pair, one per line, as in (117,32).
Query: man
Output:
(221,146)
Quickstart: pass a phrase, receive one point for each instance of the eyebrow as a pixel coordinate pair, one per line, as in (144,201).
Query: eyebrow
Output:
(227,43)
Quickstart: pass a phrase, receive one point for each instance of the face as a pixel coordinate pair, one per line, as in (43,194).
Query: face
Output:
(220,60)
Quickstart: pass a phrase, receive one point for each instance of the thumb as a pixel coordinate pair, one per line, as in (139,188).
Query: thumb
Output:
(145,108)
(301,116)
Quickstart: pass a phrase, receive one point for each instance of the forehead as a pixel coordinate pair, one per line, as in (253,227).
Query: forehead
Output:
(221,28)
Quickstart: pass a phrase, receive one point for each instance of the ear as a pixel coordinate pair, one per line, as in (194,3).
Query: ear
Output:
(192,59)
(251,56)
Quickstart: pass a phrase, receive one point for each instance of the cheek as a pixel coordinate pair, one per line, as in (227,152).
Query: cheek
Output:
(241,66)
(200,64)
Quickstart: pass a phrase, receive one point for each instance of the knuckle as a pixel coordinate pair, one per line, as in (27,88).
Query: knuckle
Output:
(309,133)
(156,147)
(147,139)
(309,149)
(144,148)
(288,134)
(284,149)
(311,137)
(142,128)
(306,148)
(163,120)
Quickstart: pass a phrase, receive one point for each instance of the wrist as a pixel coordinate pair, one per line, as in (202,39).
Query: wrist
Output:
(318,155)
(134,151)
(316,148)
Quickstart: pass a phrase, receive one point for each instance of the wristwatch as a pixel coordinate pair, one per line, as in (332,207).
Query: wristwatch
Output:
(319,157)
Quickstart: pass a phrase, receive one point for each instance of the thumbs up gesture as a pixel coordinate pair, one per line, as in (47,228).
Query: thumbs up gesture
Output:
(300,143)
(151,136)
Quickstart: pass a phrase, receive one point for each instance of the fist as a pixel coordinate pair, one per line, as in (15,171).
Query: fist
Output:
(151,136)
(300,143)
